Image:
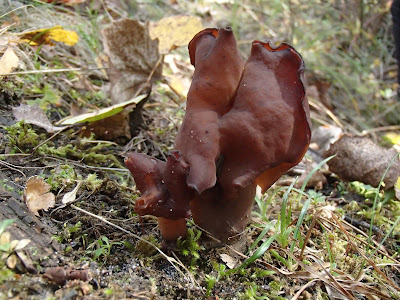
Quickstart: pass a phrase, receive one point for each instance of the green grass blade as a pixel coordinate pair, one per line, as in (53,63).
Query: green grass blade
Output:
(261,235)
(256,255)
(285,216)
(299,222)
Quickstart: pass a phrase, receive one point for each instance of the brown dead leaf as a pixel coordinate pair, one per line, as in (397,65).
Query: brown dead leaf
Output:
(33,114)
(133,58)
(8,62)
(175,31)
(360,159)
(110,128)
(37,195)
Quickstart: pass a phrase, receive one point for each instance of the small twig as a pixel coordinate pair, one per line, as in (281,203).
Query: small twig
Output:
(363,224)
(314,221)
(25,6)
(72,162)
(194,281)
(50,138)
(310,283)
(146,83)
(53,71)
(14,154)
(11,167)
(378,129)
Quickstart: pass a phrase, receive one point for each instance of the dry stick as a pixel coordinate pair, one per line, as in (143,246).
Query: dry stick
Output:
(378,129)
(327,111)
(365,256)
(193,280)
(50,138)
(146,83)
(84,166)
(14,154)
(314,221)
(310,283)
(53,71)
(171,260)
(11,167)
(21,7)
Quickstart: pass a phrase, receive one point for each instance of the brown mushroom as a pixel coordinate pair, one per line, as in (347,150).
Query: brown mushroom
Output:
(245,125)
(266,132)
(164,191)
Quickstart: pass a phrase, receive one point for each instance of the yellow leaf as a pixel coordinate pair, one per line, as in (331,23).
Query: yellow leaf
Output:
(393,138)
(8,62)
(49,36)
(174,31)
(397,188)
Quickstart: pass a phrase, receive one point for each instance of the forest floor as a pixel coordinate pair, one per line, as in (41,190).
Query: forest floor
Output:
(68,229)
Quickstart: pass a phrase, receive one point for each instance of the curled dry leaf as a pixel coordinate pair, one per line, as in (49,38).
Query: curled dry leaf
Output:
(11,261)
(37,195)
(8,62)
(33,114)
(229,260)
(71,196)
(360,159)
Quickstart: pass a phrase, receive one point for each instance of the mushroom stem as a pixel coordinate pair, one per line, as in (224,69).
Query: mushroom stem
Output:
(171,230)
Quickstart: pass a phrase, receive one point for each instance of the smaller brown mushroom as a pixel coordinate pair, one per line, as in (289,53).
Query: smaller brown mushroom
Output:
(163,191)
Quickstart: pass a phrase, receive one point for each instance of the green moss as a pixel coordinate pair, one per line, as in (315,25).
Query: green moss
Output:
(22,137)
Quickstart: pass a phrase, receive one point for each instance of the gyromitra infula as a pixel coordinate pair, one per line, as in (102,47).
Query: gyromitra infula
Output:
(246,124)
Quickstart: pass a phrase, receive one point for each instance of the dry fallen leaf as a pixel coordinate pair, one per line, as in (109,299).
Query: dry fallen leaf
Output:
(175,31)
(228,260)
(133,58)
(11,261)
(71,196)
(33,114)
(37,195)
(49,36)
(8,62)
